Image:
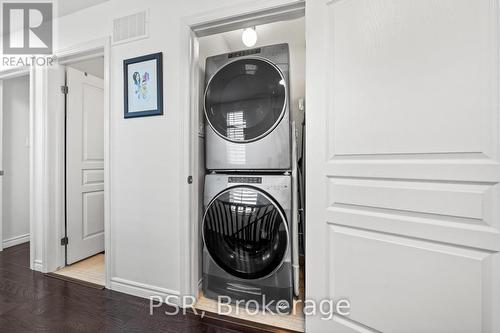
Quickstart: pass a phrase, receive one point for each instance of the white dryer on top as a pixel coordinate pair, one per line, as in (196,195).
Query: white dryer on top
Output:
(247,110)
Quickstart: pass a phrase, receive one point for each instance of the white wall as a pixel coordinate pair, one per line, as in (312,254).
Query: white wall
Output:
(15,161)
(145,152)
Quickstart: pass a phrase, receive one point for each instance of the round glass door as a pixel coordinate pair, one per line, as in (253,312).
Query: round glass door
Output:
(245,233)
(245,100)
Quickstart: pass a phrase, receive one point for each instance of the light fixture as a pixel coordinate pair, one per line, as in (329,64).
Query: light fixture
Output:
(249,36)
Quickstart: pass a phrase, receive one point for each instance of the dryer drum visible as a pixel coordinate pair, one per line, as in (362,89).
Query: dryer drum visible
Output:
(245,99)
(247,111)
(245,232)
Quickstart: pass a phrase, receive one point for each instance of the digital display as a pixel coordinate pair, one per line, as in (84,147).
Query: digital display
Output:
(243,53)
(245,180)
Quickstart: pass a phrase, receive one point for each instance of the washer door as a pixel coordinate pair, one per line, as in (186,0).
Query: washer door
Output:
(245,100)
(245,232)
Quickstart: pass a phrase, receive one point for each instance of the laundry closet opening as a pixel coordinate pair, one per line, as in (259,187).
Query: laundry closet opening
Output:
(249,176)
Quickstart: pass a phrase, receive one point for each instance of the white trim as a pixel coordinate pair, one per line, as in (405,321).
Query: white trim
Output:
(69,60)
(14,72)
(52,230)
(107,163)
(186,216)
(143,290)
(37,167)
(76,51)
(31,168)
(37,266)
(221,19)
(43,168)
(245,15)
(13,241)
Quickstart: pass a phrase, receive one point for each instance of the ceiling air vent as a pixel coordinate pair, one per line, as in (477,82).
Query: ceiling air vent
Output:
(130,28)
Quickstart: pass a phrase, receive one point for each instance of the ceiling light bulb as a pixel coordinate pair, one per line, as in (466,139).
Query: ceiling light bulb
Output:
(249,37)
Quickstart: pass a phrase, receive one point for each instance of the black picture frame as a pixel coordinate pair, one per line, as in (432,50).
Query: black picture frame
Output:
(158,57)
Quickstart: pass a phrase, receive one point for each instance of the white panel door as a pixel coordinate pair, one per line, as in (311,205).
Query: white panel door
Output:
(84,165)
(403,151)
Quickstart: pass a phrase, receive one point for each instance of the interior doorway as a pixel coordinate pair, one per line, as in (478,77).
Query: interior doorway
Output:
(15,160)
(84,226)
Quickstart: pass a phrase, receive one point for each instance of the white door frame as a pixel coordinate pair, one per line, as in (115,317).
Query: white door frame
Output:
(225,19)
(6,75)
(53,252)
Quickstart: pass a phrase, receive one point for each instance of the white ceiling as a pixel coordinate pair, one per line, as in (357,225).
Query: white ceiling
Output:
(65,7)
(93,66)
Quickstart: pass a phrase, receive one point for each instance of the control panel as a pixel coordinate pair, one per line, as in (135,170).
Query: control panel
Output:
(245,180)
(243,53)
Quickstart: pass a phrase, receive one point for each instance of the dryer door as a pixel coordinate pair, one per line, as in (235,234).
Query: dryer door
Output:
(246,99)
(245,232)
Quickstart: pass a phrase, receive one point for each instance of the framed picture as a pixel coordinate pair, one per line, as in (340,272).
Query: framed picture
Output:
(143,86)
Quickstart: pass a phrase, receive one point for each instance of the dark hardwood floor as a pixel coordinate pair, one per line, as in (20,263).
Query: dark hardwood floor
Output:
(33,302)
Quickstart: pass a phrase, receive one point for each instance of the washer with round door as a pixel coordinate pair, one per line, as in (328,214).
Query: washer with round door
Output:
(247,243)
(246,106)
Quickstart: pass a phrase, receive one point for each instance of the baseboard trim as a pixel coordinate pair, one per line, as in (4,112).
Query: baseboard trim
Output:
(37,265)
(141,289)
(16,241)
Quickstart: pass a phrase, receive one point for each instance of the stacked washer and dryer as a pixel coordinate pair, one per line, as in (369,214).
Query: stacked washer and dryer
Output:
(246,228)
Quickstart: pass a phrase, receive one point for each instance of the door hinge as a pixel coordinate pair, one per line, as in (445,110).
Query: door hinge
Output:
(64,89)
(64,241)
(190,179)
